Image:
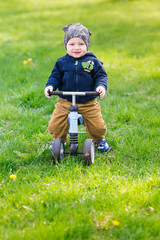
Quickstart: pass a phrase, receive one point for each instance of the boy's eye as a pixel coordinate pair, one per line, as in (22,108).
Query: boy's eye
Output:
(80,44)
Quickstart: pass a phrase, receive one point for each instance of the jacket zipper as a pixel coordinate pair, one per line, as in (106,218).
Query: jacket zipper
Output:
(76,63)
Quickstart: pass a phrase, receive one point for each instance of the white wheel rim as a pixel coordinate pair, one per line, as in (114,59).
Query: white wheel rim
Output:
(92,152)
(61,151)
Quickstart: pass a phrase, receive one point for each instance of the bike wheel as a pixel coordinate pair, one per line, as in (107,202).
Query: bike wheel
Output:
(58,150)
(88,151)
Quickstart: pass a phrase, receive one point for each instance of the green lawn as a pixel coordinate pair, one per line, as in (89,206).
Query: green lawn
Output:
(118,197)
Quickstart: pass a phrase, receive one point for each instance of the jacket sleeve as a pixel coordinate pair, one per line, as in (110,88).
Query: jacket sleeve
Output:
(100,76)
(55,79)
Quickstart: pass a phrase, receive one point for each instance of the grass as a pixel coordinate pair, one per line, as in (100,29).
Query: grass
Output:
(70,200)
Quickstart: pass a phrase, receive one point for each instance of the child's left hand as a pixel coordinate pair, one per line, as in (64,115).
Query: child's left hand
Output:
(101,90)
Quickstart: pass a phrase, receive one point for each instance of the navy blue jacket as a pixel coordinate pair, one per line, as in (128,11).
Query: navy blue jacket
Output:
(78,74)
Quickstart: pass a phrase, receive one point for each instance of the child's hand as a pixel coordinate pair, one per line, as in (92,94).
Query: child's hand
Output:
(46,91)
(101,90)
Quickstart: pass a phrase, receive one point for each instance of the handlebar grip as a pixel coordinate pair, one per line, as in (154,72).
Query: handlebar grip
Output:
(55,92)
(92,93)
(49,92)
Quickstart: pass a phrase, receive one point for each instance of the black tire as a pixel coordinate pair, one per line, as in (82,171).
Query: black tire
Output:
(58,150)
(88,151)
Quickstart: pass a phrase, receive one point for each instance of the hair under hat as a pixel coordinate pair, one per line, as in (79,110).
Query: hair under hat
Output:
(76,30)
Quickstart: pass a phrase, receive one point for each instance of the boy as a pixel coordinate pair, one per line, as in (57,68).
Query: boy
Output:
(79,71)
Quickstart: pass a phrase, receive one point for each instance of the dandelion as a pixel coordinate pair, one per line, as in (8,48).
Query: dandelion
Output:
(115,223)
(29,59)
(25,62)
(136,25)
(13,176)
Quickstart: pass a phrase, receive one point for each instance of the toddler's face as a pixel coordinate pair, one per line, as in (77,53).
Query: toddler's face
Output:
(76,47)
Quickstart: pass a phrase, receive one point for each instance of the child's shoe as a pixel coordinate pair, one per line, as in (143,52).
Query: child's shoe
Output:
(102,145)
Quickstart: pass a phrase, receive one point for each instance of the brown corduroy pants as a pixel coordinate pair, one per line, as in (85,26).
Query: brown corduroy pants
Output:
(92,117)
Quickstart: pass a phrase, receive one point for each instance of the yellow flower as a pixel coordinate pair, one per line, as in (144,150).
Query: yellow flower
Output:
(25,62)
(13,176)
(29,59)
(115,223)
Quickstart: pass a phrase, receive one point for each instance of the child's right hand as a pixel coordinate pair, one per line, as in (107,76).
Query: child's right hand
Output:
(46,91)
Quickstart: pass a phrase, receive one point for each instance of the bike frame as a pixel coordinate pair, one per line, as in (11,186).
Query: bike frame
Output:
(74,116)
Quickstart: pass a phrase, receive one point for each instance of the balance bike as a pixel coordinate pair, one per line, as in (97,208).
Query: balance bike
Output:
(74,118)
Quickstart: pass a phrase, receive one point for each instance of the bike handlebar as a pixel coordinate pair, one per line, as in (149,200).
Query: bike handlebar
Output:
(60,93)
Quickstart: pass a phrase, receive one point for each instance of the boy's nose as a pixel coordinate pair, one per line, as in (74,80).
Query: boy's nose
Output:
(77,46)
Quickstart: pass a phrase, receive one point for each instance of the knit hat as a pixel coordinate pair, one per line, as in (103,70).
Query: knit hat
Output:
(76,30)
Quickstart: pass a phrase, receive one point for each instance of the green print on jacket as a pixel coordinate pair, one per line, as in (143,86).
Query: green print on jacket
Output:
(88,66)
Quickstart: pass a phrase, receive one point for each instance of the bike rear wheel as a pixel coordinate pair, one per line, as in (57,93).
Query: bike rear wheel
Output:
(58,150)
(89,151)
